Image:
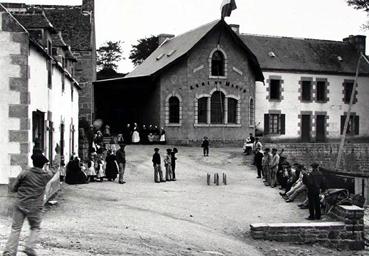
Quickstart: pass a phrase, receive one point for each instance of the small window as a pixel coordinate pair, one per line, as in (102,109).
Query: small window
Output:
(217,108)
(173,110)
(252,113)
(202,110)
(321,91)
(348,87)
(217,64)
(353,127)
(275,89)
(274,124)
(306,90)
(232,111)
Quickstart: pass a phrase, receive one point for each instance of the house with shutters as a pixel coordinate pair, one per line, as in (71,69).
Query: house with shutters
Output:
(200,83)
(39,94)
(307,88)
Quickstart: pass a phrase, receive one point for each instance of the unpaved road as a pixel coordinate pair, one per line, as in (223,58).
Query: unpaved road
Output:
(185,217)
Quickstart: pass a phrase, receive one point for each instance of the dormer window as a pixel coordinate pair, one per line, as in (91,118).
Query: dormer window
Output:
(218,64)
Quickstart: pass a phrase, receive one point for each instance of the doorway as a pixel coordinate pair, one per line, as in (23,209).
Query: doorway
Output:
(320,128)
(305,128)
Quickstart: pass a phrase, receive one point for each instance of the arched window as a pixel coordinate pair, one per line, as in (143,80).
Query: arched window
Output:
(173,110)
(217,108)
(202,110)
(252,112)
(232,111)
(217,64)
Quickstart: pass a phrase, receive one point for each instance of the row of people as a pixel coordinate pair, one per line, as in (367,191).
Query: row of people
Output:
(169,164)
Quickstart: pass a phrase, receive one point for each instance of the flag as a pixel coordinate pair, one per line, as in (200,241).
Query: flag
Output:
(227,7)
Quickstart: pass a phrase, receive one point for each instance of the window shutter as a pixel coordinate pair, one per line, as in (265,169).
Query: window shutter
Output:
(342,123)
(283,124)
(357,125)
(266,124)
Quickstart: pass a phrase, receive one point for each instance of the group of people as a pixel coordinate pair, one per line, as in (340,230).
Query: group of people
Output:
(169,164)
(142,134)
(274,169)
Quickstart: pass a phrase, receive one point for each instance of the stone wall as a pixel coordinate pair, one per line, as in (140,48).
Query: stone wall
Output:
(347,233)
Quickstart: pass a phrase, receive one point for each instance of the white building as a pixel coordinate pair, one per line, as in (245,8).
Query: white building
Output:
(307,88)
(38,94)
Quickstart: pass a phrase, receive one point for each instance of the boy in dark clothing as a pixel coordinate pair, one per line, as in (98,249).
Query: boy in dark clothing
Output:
(259,162)
(156,160)
(173,162)
(205,146)
(30,187)
(315,183)
(121,160)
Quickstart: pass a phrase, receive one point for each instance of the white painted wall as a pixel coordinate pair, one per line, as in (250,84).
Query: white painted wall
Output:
(291,105)
(7,47)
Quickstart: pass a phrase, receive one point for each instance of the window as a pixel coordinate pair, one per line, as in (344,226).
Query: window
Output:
(274,124)
(275,89)
(202,110)
(173,110)
(348,87)
(217,64)
(353,127)
(306,90)
(252,113)
(38,129)
(321,91)
(217,108)
(232,111)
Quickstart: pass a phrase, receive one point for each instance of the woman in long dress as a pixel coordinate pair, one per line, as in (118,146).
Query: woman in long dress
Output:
(135,134)
(111,170)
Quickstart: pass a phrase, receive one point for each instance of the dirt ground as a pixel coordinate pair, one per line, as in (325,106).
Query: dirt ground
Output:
(185,217)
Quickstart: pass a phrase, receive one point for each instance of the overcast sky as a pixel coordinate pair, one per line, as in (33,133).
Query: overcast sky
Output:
(129,20)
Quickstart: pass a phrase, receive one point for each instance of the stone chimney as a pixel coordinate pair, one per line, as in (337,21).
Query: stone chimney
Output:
(357,41)
(163,37)
(88,6)
(235,28)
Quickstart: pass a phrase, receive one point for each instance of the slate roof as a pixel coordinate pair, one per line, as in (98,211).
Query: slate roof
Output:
(75,26)
(304,55)
(34,21)
(173,49)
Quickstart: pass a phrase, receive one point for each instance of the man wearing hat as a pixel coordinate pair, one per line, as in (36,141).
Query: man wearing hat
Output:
(315,183)
(121,160)
(274,168)
(30,187)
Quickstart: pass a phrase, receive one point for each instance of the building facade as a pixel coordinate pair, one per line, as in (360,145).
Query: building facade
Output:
(39,96)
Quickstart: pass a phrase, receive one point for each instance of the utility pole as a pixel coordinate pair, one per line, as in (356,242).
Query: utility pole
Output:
(348,113)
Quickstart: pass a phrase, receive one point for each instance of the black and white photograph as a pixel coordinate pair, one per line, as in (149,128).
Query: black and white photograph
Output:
(184,127)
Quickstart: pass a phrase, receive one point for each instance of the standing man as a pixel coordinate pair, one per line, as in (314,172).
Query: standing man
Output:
(30,187)
(315,183)
(156,160)
(274,168)
(121,159)
(205,146)
(259,162)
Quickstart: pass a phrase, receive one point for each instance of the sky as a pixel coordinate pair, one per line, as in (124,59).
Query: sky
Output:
(130,20)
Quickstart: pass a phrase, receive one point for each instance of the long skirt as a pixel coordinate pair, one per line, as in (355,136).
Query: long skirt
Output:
(135,137)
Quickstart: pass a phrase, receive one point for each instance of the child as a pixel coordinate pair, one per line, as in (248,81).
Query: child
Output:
(156,160)
(30,187)
(205,146)
(91,173)
(168,165)
(100,169)
(173,159)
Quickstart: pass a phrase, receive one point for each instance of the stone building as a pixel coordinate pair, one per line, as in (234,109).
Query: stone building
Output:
(200,83)
(308,84)
(39,95)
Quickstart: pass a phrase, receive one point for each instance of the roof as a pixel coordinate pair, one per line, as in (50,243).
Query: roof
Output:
(173,49)
(34,21)
(304,55)
(75,26)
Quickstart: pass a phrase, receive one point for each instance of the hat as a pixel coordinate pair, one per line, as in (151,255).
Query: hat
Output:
(39,160)
(274,149)
(314,165)
(175,150)
(156,149)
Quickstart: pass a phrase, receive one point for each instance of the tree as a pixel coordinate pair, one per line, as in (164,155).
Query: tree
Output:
(360,5)
(143,49)
(108,55)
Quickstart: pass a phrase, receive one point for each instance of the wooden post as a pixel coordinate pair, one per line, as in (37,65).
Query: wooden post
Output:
(208,179)
(224,178)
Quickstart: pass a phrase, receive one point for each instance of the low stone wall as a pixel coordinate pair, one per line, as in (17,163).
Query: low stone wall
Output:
(347,233)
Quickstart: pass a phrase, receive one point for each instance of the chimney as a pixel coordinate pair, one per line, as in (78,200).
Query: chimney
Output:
(88,6)
(235,28)
(163,37)
(357,41)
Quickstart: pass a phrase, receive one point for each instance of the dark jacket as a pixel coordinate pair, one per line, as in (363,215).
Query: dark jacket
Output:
(205,144)
(121,156)
(259,159)
(315,182)
(30,187)
(156,158)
